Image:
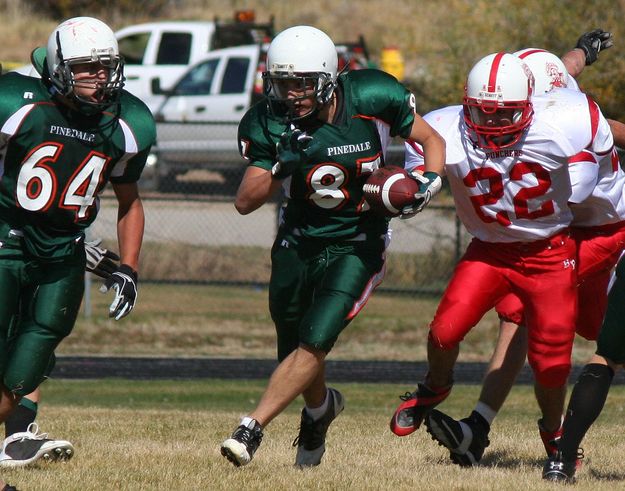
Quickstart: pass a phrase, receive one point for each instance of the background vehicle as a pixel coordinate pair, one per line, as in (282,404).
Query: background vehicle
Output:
(164,50)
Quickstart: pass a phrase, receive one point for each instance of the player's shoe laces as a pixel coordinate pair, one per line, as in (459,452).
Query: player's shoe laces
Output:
(241,446)
(27,447)
(550,438)
(466,439)
(560,470)
(410,413)
(310,441)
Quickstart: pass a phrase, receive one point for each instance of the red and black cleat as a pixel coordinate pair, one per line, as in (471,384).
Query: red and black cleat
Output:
(410,413)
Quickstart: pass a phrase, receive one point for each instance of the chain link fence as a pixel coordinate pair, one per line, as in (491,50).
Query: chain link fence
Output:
(194,235)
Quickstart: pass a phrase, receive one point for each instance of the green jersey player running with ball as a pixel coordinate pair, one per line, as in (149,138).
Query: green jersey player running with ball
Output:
(320,135)
(62,138)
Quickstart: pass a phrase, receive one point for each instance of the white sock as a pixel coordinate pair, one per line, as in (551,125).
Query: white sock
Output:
(316,412)
(487,412)
(249,422)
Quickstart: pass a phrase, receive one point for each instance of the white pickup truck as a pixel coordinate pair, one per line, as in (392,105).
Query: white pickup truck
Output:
(197,119)
(165,50)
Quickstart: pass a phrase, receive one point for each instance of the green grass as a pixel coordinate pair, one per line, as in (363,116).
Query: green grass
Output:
(165,435)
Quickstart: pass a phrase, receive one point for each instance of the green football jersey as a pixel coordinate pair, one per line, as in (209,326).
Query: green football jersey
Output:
(325,198)
(54,162)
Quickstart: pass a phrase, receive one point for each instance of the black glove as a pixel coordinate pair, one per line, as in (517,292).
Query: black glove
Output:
(592,42)
(100,261)
(430,184)
(291,151)
(124,281)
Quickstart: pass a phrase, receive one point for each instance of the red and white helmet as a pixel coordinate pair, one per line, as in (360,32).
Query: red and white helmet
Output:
(497,100)
(548,70)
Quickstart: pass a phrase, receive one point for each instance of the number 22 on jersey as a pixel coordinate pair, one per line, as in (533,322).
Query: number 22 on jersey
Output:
(493,198)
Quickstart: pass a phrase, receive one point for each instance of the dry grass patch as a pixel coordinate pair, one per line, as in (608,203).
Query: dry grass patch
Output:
(124,441)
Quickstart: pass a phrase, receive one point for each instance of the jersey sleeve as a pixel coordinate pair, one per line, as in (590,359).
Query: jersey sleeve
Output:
(254,145)
(139,131)
(572,122)
(584,173)
(379,95)
(413,156)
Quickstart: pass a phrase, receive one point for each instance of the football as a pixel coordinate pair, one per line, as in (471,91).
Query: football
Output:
(389,189)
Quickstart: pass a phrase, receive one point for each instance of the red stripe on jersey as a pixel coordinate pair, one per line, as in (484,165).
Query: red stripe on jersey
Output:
(531,52)
(594,117)
(583,156)
(417,148)
(492,79)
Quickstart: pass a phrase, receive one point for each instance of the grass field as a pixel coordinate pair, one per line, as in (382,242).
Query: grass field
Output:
(166,435)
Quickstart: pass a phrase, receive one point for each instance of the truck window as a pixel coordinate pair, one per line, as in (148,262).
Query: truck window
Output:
(198,80)
(132,47)
(235,76)
(175,48)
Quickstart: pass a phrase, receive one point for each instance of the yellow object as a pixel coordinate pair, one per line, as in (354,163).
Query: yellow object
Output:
(392,61)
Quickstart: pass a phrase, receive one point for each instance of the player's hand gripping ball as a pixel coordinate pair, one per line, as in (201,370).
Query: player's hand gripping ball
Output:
(389,189)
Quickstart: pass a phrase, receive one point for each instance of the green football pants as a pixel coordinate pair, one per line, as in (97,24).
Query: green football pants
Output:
(611,341)
(317,288)
(42,300)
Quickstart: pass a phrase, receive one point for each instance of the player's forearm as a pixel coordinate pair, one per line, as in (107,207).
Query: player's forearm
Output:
(130,226)
(434,154)
(255,190)
(618,132)
(575,62)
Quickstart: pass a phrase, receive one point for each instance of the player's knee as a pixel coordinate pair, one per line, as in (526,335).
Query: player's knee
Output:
(20,386)
(552,376)
(440,338)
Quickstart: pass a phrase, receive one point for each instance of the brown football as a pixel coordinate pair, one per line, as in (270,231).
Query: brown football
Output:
(389,189)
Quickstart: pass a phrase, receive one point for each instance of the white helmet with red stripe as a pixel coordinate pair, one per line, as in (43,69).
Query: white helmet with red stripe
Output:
(497,100)
(548,70)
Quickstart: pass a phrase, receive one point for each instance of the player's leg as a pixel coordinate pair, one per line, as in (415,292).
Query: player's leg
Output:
(461,308)
(591,389)
(343,289)
(550,300)
(11,267)
(53,305)
(336,277)
(24,414)
(467,438)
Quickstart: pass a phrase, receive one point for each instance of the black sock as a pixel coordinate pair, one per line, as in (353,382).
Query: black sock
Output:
(587,400)
(19,419)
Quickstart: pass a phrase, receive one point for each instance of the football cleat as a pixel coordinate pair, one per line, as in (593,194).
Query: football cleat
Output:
(559,470)
(24,448)
(310,441)
(241,446)
(466,439)
(410,413)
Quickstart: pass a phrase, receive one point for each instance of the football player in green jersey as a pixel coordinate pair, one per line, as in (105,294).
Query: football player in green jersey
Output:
(62,138)
(319,135)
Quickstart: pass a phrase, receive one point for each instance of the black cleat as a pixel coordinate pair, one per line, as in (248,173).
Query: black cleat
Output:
(466,439)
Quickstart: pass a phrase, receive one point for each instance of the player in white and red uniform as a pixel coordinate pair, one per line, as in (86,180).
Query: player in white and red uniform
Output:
(598,204)
(508,171)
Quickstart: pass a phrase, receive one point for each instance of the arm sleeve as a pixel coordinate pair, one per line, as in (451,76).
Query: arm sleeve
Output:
(584,172)
(413,156)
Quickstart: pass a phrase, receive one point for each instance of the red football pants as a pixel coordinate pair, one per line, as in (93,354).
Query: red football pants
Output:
(541,274)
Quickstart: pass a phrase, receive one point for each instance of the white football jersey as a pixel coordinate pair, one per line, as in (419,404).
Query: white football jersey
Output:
(519,193)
